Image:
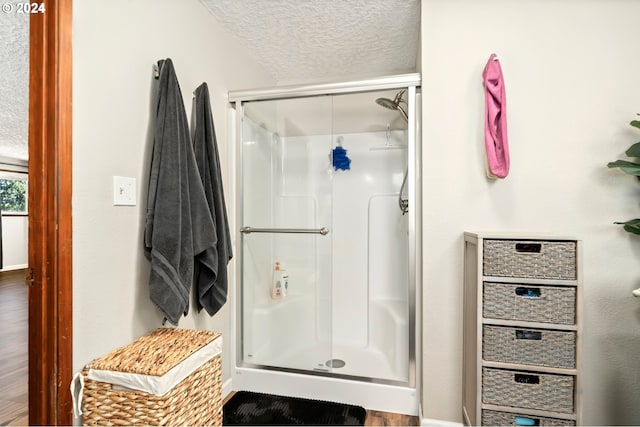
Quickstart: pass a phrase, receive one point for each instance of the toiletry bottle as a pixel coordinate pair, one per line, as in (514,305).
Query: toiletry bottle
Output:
(276,282)
(284,279)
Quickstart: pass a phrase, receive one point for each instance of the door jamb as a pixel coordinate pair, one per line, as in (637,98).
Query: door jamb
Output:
(50,225)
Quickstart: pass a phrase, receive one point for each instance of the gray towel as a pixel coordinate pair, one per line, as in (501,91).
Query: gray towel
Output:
(178,224)
(211,276)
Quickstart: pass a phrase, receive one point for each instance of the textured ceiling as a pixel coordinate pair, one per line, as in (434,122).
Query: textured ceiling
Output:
(14,85)
(295,40)
(312,40)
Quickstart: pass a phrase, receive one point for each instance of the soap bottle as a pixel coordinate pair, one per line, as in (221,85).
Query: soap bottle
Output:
(284,280)
(276,282)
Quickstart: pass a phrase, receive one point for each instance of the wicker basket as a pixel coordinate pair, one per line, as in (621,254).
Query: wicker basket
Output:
(532,303)
(195,401)
(531,259)
(497,418)
(521,389)
(540,347)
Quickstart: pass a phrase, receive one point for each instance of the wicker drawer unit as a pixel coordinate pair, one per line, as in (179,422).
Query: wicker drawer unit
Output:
(182,369)
(533,390)
(530,258)
(497,418)
(529,346)
(522,330)
(532,303)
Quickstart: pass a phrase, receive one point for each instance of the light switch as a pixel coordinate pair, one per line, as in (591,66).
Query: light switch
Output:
(124,191)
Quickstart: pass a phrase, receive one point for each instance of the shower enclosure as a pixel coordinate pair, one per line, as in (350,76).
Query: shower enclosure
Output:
(337,320)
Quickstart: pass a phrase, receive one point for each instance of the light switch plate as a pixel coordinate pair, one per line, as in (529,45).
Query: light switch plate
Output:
(124,191)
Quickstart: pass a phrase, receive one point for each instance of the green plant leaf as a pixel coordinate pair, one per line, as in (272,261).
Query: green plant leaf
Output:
(632,226)
(635,123)
(631,168)
(634,150)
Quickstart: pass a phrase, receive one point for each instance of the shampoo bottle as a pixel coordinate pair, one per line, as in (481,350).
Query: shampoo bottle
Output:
(276,282)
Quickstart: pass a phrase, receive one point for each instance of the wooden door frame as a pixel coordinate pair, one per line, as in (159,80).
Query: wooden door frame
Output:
(50,261)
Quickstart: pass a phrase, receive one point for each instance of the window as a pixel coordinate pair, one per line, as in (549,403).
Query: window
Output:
(13,193)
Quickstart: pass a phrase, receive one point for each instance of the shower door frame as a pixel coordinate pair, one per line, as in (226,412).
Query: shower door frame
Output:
(412,83)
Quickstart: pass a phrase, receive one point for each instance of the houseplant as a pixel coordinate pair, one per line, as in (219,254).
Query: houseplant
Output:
(631,168)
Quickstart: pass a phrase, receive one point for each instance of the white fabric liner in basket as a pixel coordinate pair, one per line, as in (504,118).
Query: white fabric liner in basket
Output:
(159,385)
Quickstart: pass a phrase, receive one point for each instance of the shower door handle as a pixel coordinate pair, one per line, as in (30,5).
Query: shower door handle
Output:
(248,230)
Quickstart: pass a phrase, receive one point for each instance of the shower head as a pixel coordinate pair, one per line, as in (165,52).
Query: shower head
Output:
(394,104)
(387,103)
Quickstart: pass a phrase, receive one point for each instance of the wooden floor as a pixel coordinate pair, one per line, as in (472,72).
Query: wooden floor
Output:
(378,418)
(13,349)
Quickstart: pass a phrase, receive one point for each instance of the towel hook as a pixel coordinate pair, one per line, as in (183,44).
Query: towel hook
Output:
(157,67)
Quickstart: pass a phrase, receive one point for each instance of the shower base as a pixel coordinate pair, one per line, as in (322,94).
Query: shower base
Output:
(379,397)
(384,357)
(358,362)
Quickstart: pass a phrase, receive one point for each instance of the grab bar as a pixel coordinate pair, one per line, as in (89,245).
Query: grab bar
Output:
(248,230)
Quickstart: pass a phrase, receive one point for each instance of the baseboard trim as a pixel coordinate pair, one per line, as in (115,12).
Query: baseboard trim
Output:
(431,422)
(227,388)
(435,423)
(14,267)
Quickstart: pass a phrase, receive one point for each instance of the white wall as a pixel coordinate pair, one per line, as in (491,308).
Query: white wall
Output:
(115,45)
(572,83)
(15,236)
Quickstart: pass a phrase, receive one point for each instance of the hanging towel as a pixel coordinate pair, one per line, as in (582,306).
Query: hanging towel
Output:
(178,223)
(495,125)
(211,276)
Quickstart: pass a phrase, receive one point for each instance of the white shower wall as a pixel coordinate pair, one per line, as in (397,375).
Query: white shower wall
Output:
(348,291)
(369,235)
(277,331)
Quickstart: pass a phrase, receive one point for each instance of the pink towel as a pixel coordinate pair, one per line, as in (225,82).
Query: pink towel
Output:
(495,125)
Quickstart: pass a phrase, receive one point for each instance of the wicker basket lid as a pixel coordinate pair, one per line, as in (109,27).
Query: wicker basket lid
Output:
(155,353)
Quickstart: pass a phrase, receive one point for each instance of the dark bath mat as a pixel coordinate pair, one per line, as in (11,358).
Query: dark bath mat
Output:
(249,408)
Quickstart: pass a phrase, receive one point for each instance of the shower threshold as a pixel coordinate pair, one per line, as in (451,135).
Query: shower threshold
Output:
(371,395)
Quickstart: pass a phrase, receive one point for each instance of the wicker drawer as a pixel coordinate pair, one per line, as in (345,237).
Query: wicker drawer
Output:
(532,390)
(540,347)
(530,259)
(531,303)
(497,418)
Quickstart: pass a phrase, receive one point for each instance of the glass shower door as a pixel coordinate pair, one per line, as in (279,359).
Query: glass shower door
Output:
(286,231)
